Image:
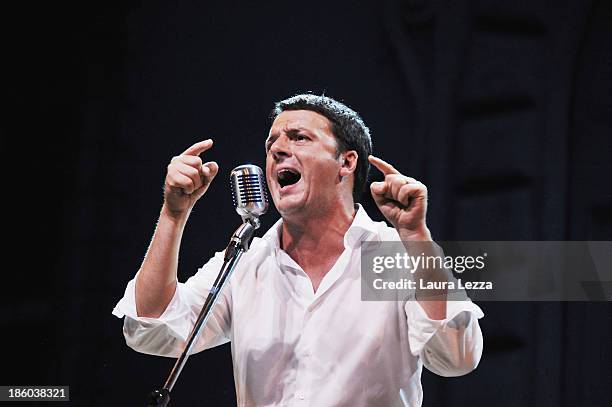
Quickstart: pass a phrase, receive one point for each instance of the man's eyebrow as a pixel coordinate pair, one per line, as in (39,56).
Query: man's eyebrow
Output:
(291,132)
(299,130)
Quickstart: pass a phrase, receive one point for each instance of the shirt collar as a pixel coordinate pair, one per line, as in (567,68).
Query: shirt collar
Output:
(272,236)
(362,228)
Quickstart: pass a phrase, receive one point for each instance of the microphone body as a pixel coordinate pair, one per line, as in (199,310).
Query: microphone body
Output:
(249,191)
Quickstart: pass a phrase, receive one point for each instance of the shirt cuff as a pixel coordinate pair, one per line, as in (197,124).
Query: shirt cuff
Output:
(166,335)
(173,317)
(422,328)
(127,305)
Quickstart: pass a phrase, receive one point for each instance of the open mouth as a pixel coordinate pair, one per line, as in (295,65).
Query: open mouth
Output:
(287,177)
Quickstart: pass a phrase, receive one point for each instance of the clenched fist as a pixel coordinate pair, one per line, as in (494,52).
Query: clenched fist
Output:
(188,178)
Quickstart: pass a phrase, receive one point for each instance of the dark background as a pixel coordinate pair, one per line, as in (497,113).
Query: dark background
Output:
(503,108)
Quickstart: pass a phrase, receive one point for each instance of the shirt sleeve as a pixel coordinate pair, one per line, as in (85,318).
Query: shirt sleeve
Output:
(167,335)
(447,347)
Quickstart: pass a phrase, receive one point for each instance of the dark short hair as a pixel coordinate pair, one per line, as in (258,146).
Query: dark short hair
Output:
(348,127)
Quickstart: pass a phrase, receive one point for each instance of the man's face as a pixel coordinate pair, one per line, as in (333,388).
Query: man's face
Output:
(302,164)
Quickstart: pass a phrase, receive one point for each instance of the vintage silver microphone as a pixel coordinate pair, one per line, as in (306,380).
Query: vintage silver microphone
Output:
(251,201)
(249,192)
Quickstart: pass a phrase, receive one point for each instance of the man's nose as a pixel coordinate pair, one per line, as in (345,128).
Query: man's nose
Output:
(280,148)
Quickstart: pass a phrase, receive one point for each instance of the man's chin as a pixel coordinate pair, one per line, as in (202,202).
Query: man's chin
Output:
(288,205)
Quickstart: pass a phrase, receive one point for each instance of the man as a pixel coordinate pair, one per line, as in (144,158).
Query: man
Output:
(300,333)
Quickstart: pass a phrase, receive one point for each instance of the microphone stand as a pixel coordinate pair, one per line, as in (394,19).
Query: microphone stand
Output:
(239,243)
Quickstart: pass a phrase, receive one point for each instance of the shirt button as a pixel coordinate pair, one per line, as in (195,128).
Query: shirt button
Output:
(299,395)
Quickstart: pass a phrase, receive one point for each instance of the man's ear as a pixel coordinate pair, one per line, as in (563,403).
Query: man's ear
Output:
(348,162)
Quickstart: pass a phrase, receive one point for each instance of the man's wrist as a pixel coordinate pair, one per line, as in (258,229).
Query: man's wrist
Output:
(421,235)
(174,216)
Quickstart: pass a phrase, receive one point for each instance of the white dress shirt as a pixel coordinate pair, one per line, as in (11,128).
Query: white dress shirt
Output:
(292,346)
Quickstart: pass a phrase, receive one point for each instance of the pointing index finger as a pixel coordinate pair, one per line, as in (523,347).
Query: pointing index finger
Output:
(198,148)
(382,165)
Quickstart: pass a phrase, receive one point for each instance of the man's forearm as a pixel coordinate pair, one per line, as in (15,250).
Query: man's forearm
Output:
(432,301)
(187,180)
(156,281)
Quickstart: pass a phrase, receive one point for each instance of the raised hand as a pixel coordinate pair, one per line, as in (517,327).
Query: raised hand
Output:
(188,178)
(402,200)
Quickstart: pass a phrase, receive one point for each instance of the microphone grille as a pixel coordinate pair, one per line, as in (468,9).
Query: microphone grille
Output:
(249,190)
